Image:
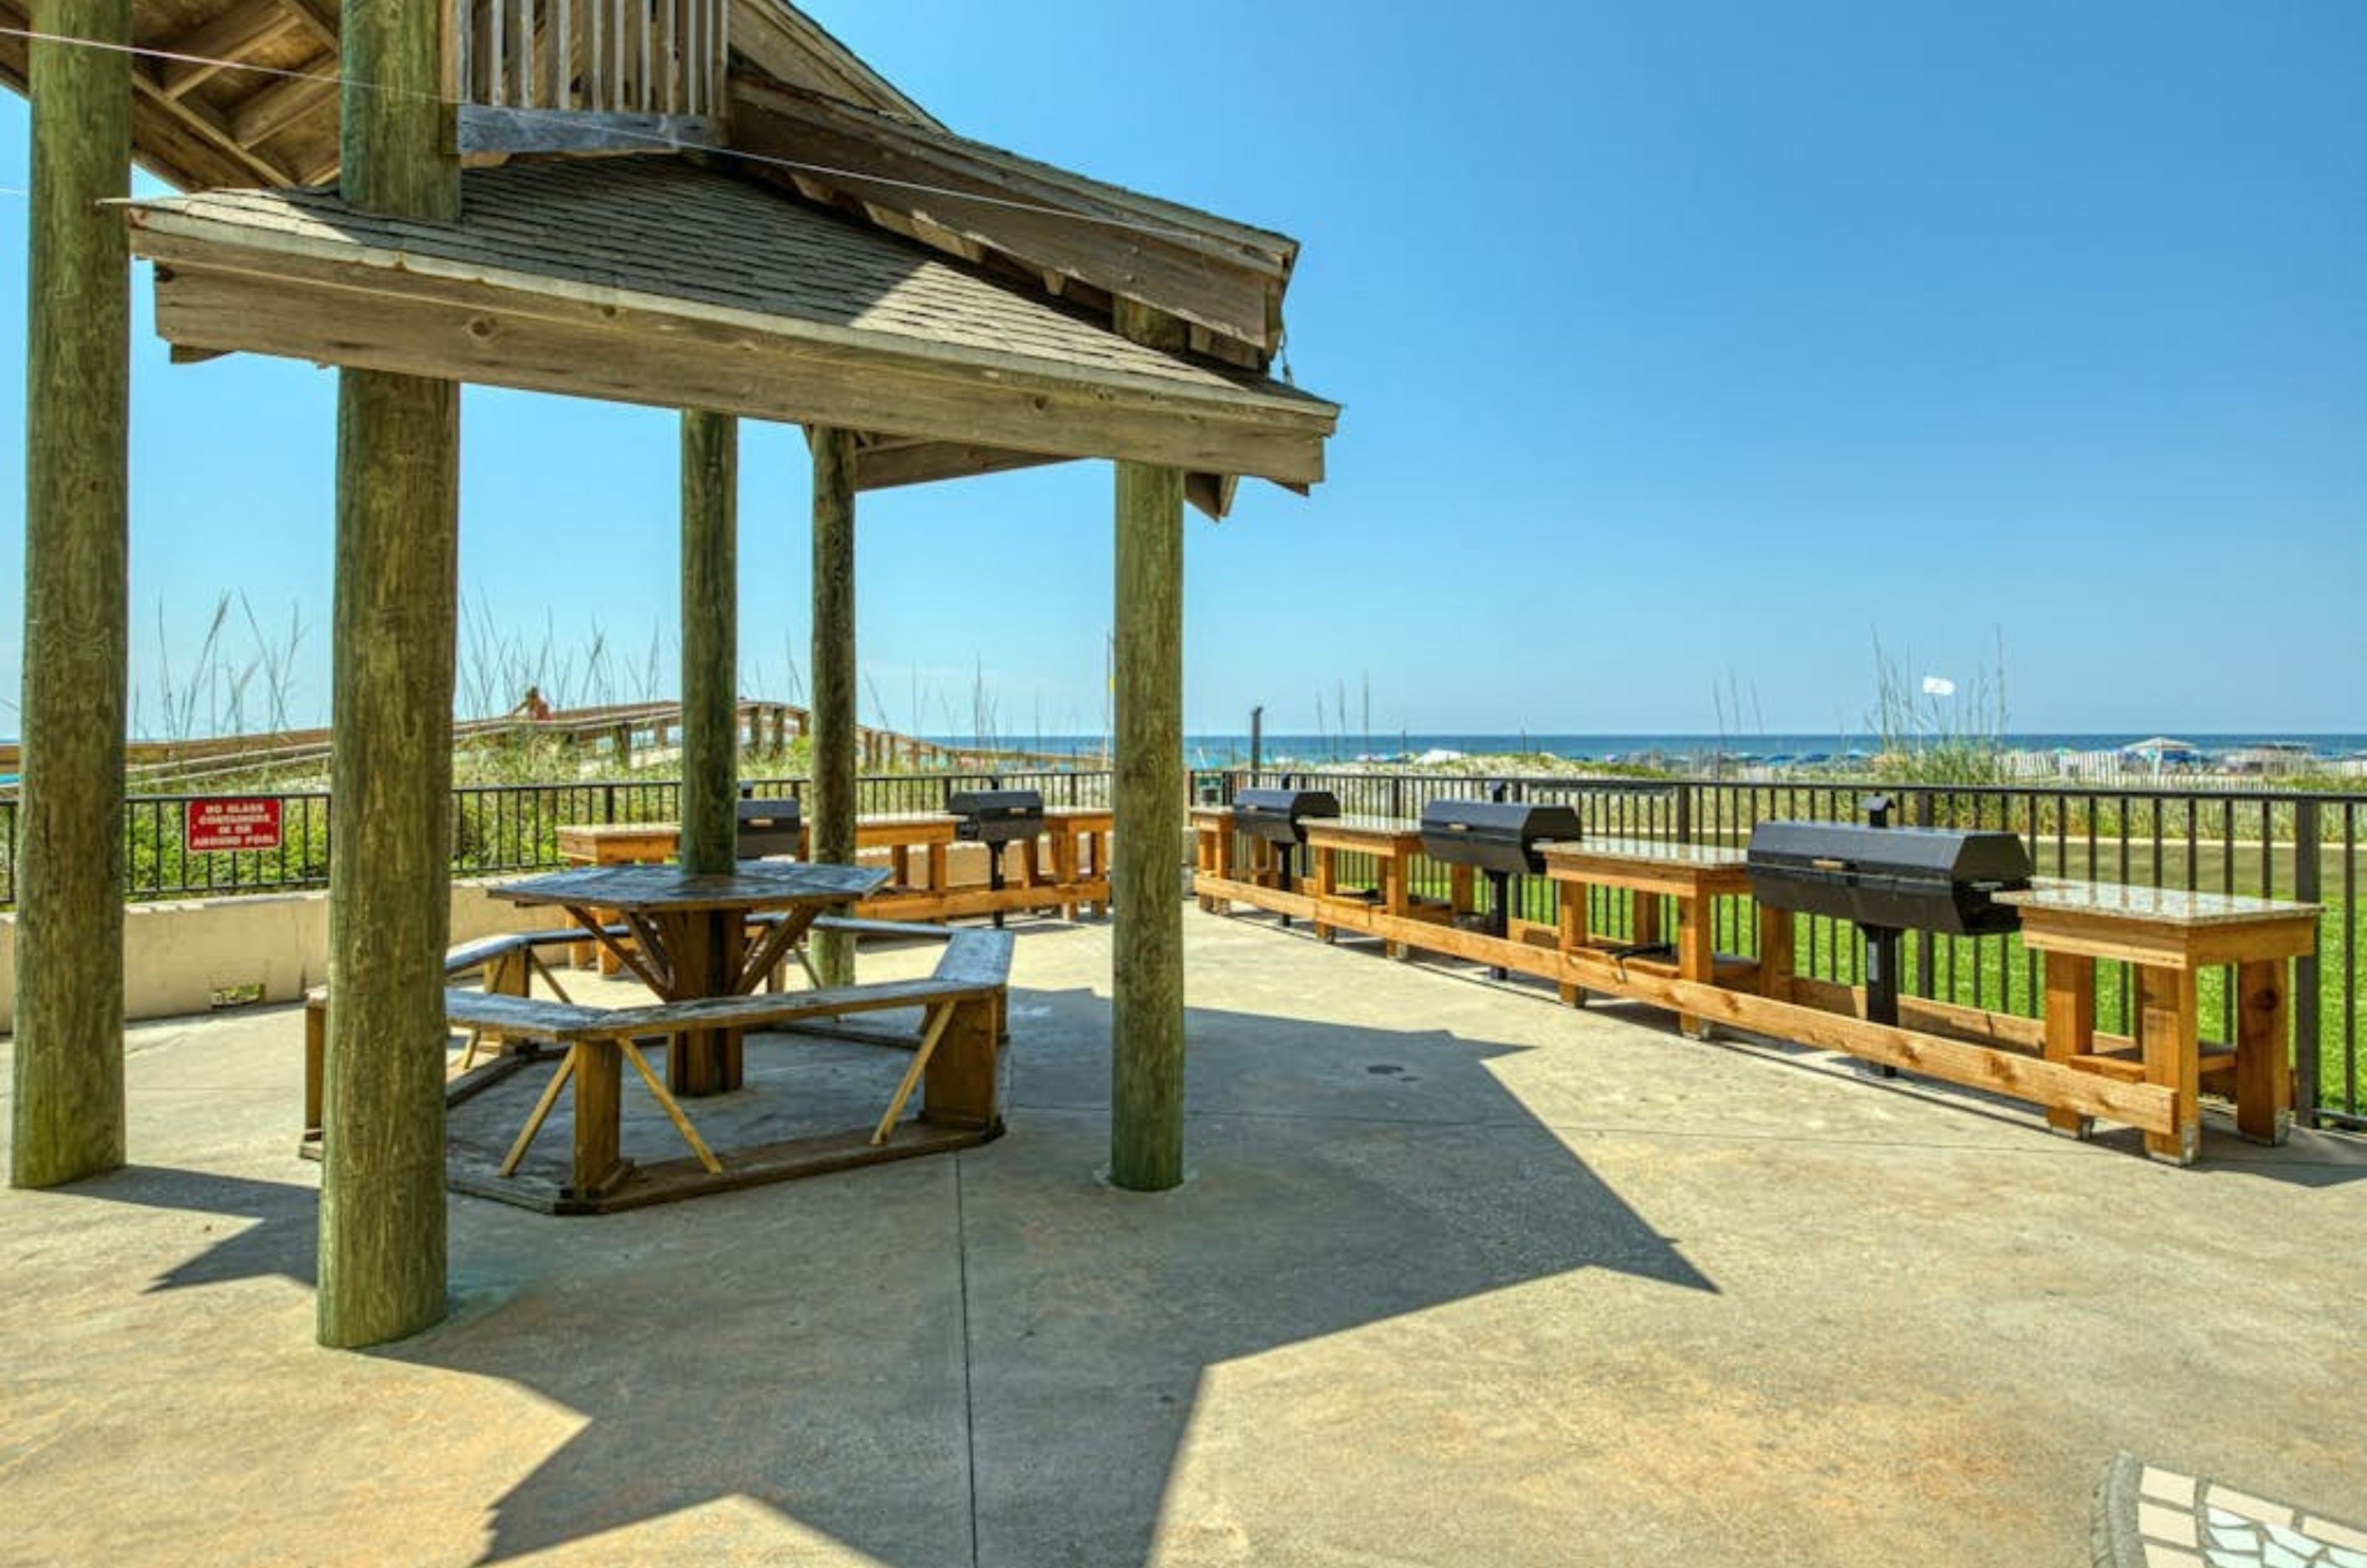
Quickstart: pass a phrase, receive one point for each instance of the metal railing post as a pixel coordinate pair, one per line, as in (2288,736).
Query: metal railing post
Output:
(2306,1018)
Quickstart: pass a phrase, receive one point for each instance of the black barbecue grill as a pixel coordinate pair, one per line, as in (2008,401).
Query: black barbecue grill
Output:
(1887,880)
(1279,817)
(769,828)
(995,817)
(1496,837)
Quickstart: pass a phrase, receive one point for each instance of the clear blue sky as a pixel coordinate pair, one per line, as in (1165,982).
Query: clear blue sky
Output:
(1685,347)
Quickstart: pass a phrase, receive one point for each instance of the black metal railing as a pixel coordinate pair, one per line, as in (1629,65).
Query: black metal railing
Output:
(2305,847)
(2246,841)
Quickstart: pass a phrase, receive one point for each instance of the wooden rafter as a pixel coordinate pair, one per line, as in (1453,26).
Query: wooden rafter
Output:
(232,35)
(287,99)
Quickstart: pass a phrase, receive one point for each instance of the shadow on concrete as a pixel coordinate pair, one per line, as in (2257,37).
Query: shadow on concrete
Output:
(283,1240)
(1059,1328)
(991,1358)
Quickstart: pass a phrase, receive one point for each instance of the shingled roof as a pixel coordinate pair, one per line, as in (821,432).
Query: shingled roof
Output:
(708,289)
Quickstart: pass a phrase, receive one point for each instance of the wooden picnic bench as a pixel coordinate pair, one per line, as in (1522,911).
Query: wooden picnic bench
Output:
(954,1057)
(508,960)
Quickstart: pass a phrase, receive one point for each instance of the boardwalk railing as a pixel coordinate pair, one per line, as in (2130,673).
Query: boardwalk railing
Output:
(2279,845)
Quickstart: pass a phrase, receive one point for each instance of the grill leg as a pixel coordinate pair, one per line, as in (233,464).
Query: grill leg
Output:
(1500,904)
(1286,856)
(995,878)
(1880,990)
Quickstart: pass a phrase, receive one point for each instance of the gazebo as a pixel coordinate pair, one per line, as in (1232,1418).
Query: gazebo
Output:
(705,204)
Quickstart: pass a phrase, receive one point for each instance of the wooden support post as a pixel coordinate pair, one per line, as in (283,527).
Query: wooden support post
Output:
(67,1110)
(383,1242)
(1147,986)
(1148,793)
(710,600)
(2166,1033)
(830,817)
(2264,1079)
(2070,1022)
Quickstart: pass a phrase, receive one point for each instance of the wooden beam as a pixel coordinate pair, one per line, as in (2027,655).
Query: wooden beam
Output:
(831,830)
(231,36)
(1211,493)
(382,1238)
(663,353)
(710,620)
(285,102)
(67,1113)
(922,462)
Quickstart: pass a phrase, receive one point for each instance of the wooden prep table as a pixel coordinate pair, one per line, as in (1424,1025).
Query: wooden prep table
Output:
(2169,936)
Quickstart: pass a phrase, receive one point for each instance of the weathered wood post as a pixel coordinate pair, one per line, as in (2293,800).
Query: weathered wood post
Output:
(830,817)
(67,1108)
(1146,879)
(382,1245)
(710,621)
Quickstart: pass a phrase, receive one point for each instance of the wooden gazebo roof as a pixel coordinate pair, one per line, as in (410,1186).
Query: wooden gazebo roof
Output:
(654,280)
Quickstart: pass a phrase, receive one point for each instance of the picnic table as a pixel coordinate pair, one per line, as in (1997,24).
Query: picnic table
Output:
(690,936)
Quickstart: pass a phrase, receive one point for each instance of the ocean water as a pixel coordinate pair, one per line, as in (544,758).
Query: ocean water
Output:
(1218,750)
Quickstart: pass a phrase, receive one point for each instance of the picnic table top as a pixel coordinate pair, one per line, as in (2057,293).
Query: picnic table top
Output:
(755,885)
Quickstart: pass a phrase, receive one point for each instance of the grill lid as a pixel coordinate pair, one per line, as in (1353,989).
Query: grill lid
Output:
(996,815)
(768,828)
(1494,835)
(1938,879)
(1278,816)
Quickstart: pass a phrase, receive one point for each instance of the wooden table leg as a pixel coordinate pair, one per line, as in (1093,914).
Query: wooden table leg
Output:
(1777,954)
(1644,930)
(1696,955)
(940,867)
(1326,885)
(2264,1069)
(599,1117)
(1461,892)
(1569,932)
(706,946)
(1064,866)
(2070,1015)
(2166,1033)
(900,860)
(1393,902)
(1100,847)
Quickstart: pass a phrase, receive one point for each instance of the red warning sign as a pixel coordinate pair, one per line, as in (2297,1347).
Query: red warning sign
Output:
(231,822)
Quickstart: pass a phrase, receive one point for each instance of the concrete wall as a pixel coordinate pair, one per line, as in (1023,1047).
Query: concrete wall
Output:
(179,957)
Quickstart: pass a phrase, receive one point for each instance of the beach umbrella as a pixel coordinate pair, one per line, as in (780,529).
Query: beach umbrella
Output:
(2156,746)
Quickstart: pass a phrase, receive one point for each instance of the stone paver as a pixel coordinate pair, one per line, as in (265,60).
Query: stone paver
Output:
(2152,1517)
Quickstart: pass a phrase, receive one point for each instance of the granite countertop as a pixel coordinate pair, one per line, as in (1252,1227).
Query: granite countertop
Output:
(1392,826)
(1658,853)
(2162,906)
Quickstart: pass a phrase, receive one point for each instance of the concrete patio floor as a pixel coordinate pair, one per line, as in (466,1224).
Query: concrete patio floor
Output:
(1461,1276)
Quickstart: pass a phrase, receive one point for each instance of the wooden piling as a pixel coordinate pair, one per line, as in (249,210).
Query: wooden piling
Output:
(830,805)
(1147,797)
(710,627)
(67,1107)
(382,1238)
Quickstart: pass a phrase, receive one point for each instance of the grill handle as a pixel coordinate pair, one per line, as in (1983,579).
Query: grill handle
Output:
(1832,865)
